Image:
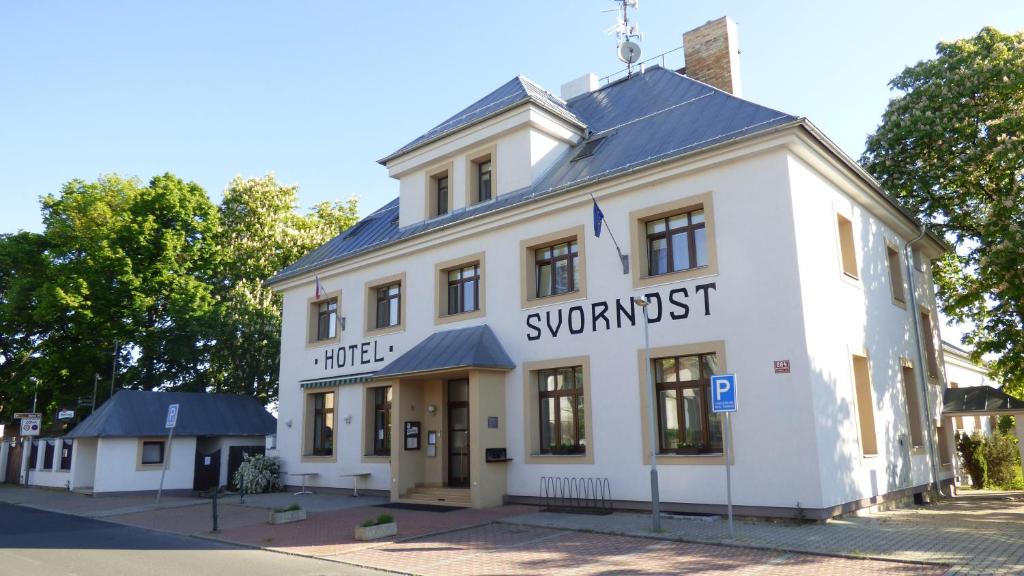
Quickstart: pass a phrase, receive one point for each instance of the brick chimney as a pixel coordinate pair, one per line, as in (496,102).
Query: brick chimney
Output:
(713,55)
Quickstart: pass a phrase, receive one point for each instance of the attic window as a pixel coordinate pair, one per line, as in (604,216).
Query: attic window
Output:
(588,148)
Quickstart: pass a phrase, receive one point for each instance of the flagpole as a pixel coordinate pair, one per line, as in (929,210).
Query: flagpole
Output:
(623,259)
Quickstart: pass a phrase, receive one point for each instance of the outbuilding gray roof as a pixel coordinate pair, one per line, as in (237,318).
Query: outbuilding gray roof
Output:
(979,399)
(136,413)
(641,120)
(472,347)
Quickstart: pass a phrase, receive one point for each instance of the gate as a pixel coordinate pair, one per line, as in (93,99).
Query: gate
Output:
(235,459)
(207,474)
(14,463)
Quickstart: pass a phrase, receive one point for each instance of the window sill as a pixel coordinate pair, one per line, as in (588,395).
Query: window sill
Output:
(538,458)
(645,281)
(448,318)
(319,458)
(385,331)
(537,302)
(375,459)
(323,343)
(672,458)
(899,303)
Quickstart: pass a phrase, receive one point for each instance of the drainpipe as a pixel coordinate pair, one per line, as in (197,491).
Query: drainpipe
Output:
(908,257)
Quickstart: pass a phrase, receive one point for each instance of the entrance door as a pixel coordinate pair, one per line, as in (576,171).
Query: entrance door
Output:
(207,472)
(14,463)
(458,433)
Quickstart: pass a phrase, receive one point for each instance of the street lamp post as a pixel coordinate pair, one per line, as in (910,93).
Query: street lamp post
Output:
(652,426)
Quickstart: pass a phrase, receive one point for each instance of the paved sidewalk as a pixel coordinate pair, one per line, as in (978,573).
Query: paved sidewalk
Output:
(59,500)
(511,550)
(976,534)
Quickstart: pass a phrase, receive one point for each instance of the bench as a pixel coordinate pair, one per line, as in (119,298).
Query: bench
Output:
(304,475)
(356,476)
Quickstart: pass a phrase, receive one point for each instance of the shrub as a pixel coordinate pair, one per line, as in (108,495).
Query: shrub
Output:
(288,508)
(972,452)
(382,519)
(258,474)
(1002,460)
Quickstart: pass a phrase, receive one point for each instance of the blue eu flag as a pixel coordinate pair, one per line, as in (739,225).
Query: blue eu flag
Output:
(598,219)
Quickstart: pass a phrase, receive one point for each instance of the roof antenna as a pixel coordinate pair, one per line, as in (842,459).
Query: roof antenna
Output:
(625,33)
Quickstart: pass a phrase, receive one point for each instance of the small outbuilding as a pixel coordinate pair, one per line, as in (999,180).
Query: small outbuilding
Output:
(123,446)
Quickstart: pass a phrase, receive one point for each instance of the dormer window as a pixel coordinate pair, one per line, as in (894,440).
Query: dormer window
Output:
(441,194)
(439,191)
(480,176)
(483,179)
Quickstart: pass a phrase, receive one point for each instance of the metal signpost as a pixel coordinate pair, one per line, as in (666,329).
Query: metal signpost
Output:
(172,421)
(723,400)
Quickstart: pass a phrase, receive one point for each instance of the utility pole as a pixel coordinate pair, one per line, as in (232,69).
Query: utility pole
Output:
(652,427)
(35,395)
(113,373)
(95,383)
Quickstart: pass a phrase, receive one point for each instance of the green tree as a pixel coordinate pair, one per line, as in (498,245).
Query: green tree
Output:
(261,233)
(120,266)
(951,148)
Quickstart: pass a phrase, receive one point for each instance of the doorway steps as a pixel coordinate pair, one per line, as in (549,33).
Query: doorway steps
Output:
(438,496)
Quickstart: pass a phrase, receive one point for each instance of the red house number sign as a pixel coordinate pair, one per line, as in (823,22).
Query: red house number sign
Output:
(782,366)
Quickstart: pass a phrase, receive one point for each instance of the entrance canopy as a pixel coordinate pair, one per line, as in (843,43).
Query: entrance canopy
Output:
(979,401)
(473,347)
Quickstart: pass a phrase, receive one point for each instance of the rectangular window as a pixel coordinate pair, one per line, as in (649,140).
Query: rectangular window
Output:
(382,421)
(441,194)
(389,305)
(562,414)
(686,424)
(556,269)
(33,455)
(677,242)
(48,454)
(463,289)
(928,335)
(327,319)
(323,423)
(913,407)
(153,452)
(865,406)
(483,180)
(899,294)
(65,454)
(847,253)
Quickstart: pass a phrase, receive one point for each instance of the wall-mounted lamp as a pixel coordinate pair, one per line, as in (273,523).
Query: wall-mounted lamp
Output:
(432,409)
(288,423)
(348,418)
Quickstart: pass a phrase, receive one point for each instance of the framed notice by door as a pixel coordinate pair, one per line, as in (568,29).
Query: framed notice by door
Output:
(412,435)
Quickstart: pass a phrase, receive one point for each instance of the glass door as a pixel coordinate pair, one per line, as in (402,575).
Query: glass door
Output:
(458,433)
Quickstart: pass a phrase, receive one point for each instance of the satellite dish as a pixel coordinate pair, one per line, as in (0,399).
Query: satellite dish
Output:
(629,52)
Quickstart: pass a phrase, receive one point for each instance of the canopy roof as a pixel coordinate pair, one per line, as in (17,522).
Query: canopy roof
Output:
(473,347)
(979,400)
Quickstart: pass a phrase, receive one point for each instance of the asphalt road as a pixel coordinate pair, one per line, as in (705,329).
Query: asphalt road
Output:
(34,542)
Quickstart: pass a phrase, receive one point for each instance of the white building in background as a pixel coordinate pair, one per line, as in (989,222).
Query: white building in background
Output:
(476,335)
(962,372)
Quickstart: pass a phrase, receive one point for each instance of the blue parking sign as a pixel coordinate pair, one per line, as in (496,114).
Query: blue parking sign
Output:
(723,393)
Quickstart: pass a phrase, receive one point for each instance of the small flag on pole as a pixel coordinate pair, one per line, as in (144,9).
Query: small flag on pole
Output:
(319,288)
(599,223)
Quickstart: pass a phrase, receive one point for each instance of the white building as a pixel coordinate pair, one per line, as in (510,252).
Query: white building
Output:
(123,446)
(474,335)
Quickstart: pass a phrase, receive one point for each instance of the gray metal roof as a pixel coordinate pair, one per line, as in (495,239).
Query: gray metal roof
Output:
(979,399)
(645,119)
(133,413)
(473,347)
(511,94)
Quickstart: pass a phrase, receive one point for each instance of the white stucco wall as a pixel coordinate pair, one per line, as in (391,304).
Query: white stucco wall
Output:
(779,295)
(83,462)
(846,317)
(116,469)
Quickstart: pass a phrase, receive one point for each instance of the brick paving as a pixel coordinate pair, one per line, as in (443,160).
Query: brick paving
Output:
(512,549)
(975,533)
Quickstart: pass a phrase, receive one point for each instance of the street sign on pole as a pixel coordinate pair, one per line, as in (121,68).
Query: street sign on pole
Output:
(723,400)
(172,421)
(30,426)
(723,393)
(172,416)
(23,415)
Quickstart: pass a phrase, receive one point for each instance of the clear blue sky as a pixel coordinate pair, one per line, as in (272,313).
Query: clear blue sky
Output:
(318,91)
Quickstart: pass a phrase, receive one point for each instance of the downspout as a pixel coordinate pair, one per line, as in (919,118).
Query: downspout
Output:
(908,257)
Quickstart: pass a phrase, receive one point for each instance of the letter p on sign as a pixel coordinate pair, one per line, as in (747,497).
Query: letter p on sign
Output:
(723,393)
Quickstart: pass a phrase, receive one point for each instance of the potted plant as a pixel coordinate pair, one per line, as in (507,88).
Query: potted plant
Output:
(292,513)
(380,527)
